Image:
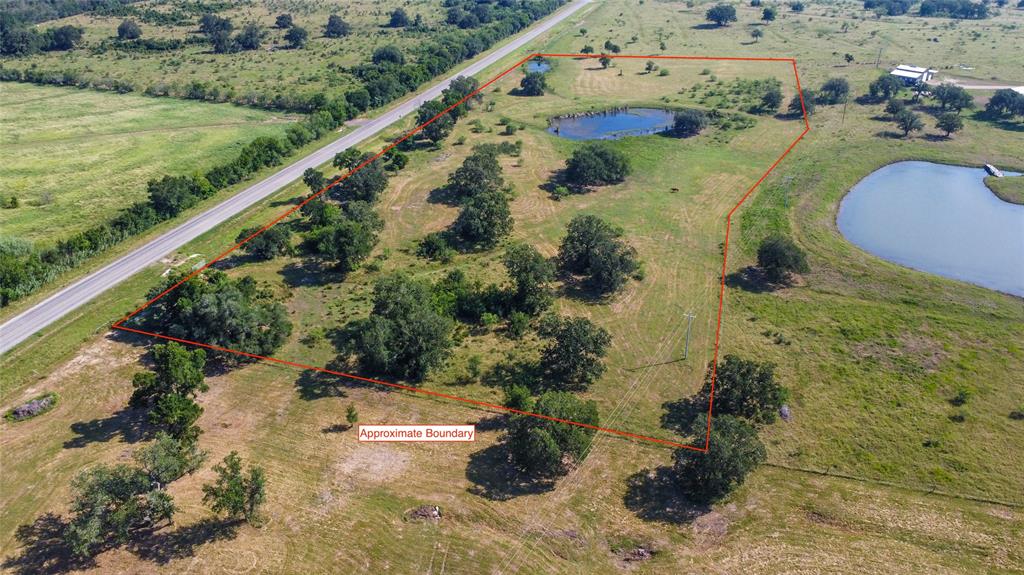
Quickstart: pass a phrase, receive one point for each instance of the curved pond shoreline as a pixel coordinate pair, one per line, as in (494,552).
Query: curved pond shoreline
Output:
(612,123)
(1010,194)
(940,219)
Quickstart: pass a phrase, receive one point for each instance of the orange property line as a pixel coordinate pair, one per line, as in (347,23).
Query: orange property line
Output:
(721,297)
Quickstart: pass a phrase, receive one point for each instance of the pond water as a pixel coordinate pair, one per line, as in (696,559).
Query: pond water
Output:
(938,219)
(612,124)
(538,66)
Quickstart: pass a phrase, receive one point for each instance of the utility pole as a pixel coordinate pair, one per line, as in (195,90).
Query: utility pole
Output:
(878,59)
(689,322)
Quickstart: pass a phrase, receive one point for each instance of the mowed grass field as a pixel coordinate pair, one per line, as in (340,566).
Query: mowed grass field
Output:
(274,69)
(871,351)
(74,158)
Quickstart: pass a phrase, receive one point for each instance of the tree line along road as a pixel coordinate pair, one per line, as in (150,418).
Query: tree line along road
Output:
(22,326)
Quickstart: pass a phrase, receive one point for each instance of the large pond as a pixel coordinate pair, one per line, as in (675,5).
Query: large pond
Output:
(939,219)
(612,124)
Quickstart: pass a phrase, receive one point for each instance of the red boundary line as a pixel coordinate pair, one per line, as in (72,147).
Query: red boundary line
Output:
(721,297)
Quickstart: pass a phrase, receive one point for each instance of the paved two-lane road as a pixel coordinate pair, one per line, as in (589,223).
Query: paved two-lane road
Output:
(23,325)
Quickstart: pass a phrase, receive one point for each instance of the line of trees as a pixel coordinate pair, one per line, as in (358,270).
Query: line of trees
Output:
(217,310)
(380,83)
(24,269)
(18,40)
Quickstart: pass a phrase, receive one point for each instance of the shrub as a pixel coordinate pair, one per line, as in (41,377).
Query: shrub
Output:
(33,407)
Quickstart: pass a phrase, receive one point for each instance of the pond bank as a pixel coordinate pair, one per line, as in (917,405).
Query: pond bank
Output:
(1008,188)
(939,219)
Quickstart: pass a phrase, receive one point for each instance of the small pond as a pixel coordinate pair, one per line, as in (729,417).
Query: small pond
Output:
(612,124)
(538,66)
(938,219)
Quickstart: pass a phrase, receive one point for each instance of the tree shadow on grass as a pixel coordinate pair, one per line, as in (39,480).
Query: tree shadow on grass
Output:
(751,279)
(129,424)
(43,549)
(493,423)
(166,546)
(495,478)
(653,496)
(313,385)
(679,415)
(310,273)
(514,372)
(891,135)
(445,196)
(579,289)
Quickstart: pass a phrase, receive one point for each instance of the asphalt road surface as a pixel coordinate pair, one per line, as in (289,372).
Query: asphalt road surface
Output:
(23,325)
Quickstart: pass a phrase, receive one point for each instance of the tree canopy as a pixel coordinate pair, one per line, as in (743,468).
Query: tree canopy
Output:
(689,122)
(128,30)
(364,184)
(404,336)
(778,256)
(531,275)
(439,128)
(574,355)
(745,388)
(272,242)
(734,451)
(484,220)
(796,107)
(336,27)
(541,447)
(112,503)
(214,309)
(533,84)
(721,14)
(398,18)
(235,493)
(834,91)
(884,87)
(345,236)
(593,248)
(908,122)
(480,172)
(595,164)
(949,123)
(952,97)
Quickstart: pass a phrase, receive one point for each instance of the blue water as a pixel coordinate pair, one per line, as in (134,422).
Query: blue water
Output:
(613,125)
(938,219)
(537,66)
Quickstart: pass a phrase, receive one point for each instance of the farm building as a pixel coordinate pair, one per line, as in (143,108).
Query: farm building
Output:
(912,75)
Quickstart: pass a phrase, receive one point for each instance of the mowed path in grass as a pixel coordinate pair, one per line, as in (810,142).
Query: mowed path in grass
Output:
(73,158)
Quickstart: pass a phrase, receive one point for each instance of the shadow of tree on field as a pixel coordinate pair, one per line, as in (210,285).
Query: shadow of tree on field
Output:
(750,279)
(310,273)
(493,423)
(679,415)
(43,549)
(510,372)
(495,478)
(445,196)
(163,547)
(130,424)
(653,496)
(313,385)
